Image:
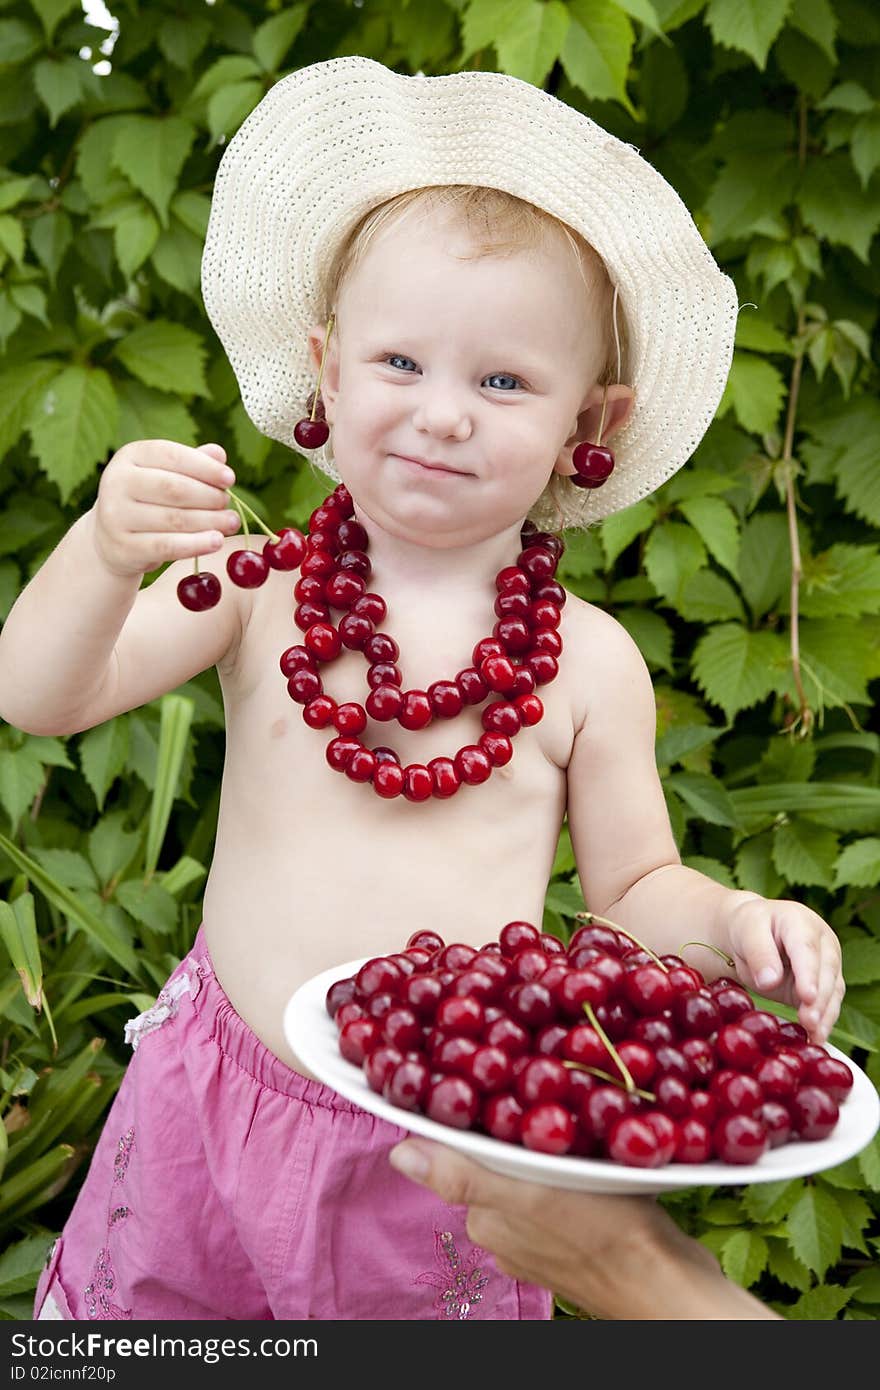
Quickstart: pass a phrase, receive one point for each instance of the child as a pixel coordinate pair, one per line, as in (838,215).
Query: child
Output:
(486,345)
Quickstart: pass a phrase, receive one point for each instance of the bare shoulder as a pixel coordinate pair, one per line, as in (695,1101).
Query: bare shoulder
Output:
(607,667)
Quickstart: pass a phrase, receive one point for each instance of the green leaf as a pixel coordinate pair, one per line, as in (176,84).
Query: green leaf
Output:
(844,450)
(836,207)
(859,866)
(74,906)
(192,210)
(644,12)
(177,257)
(682,739)
(597,48)
(145,413)
(716,523)
(94,152)
(250,445)
(188,871)
(857,1215)
(148,903)
(651,634)
(673,554)
(739,203)
(112,847)
(229,107)
(529,46)
(564,898)
(761,336)
(747,25)
(766,1202)
(18,41)
(31,300)
(822,1303)
(620,530)
(861,956)
(50,235)
(483,20)
(229,70)
(165,355)
(135,234)
(843,581)
(51,12)
(805,853)
(784,760)
(865,146)
(847,96)
(765,561)
(67,867)
(786,1267)
(755,871)
(755,392)
(838,657)
(21,777)
(706,796)
(182,37)
(869,1163)
(20,384)
(12,237)
(708,597)
(18,929)
(817,21)
(21,1264)
(274,37)
(744,1257)
(72,423)
(710,868)
(151,152)
(58,84)
(103,753)
(736,668)
(815,1229)
(175,721)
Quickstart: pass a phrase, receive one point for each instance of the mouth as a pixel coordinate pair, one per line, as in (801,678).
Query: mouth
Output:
(428,467)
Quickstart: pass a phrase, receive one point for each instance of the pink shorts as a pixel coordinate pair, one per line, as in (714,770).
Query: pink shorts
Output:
(226,1185)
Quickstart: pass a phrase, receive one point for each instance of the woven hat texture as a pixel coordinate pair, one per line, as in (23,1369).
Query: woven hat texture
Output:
(333,140)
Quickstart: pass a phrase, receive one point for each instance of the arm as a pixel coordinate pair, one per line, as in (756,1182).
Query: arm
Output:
(632,872)
(83,642)
(615,1257)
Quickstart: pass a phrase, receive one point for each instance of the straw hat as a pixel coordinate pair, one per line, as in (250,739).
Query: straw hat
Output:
(333,140)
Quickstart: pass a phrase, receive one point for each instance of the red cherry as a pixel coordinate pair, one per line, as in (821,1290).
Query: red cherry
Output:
(694,1141)
(472,765)
(461,1014)
(547,1129)
(544,1079)
(776,1080)
(696,1014)
(594,465)
(452,1101)
(379,1065)
(402,1028)
(739,1138)
(452,1056)
(388,779)
(418,783)
(531,1004)
(372,607)
(813,1113)
(647,989)
(456,956)
(311,434)
(833,1076)
(509,1035)
(408,1084)
(340,992)
(360,1036)
(415,711)
(247,568)
(378,975)
(427,939)
(489,1069)
(197,592)
(288,551)
(763,1027)
(502,1117)
(736,1093)
(737,1047)
(584,1045)
(497,748)
(631,1140)
(776,1120)
(673,1095)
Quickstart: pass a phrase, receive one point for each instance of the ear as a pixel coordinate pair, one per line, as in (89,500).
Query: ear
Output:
(618,409)
(330,379)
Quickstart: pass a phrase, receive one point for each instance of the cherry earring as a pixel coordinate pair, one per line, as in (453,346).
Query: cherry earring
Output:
(593,462)
(312,432)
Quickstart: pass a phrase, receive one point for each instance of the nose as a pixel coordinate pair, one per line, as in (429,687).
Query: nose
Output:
(442,413)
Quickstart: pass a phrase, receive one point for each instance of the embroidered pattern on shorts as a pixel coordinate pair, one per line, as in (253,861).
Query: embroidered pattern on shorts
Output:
(99,1292)
(460,1284)
(166,1006)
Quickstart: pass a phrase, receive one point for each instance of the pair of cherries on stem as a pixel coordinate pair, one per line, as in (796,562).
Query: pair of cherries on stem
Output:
(248,569)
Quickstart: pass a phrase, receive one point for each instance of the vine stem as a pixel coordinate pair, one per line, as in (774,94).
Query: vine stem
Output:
(589,917)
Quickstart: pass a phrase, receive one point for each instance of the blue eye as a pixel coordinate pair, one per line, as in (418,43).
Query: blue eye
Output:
(500,381)
(395,359)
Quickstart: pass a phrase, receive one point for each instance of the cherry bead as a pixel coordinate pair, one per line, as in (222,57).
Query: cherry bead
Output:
(323,640)
(530,708)
(551,591)
(472,765)
(540,613)
(472,686)
(340,751)
(383,673)
(550,541)
(384,702)
(370,606)
(288,551)
(418,784)
(514,633)
(309,589)
(321,540)
(295,658)
(352,536)
(354,630)
(497,747)
(319,562)
(512,580)
(381,647)
(319,712)
(304,685)
(594,465)
(548,641)
(498,673)
(486,647)
(512,605)
(342,497)
(361,766)
(502,717)
(415,711)
(446,779)
(387,755)
(355,562)
(537,562)
(543,666)
(388,779)
(327,516)
(446,699)
(341,590)
(524,683)
(248,569)
(350,718)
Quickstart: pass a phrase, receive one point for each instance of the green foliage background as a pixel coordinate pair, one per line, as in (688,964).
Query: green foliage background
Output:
(765,115)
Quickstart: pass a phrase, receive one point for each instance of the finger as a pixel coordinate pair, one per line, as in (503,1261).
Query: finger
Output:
(215,450)
(172,491)
(154,549)
(179,458)
(832,1012)
(758,957)
(802,950)
(181,520)
(828,975)
(454,1178)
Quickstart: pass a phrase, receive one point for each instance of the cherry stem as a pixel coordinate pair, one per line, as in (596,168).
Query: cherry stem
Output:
(618,1060)
(728,960)
(321,367)
(606,1076)
(589,917)
(195,564)
(241,507)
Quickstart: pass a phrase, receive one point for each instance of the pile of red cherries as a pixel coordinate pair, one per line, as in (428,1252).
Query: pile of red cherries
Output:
(600,1049)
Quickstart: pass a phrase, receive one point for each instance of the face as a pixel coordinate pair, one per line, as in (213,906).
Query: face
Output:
(452,385)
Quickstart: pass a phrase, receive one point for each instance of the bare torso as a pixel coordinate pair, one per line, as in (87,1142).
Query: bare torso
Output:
(312,870)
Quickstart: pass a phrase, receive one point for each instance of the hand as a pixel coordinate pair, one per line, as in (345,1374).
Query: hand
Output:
(785,951)
(160,501)
(614,1256)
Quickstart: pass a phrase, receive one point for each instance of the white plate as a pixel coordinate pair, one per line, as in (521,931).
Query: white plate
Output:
(312,1035)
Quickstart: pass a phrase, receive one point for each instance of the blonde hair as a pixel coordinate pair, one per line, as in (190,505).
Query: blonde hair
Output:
(500,224)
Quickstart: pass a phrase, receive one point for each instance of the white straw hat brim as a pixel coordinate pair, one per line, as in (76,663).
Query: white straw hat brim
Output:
(333,140)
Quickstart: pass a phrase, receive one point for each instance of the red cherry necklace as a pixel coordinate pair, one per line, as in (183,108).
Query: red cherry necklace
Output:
(521,653)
